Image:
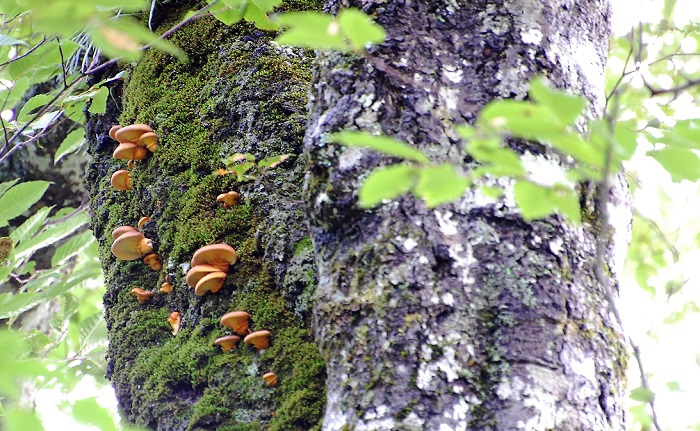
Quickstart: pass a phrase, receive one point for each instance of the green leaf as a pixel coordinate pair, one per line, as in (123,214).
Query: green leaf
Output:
(231,12)
(125,37)
(669,5)
(537,202)
(5,186)
(43,63)
(440,184)
(673,386)
(18,419)
(387,182)
(52,234)
(72,247)
(642,394)
(256,12)
(93,332)
(6,40)
(90,412)
(381,144)
(359,29)
(20,198)
(99,101)
(641,415)
(311,30)
(566,107)
(524,120)
(32,104)
(70,144)
(30,226)
(273,162)
(498,160)
(681,163)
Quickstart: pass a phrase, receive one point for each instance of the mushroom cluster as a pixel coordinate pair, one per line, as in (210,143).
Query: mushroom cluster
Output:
(135,141)
(237,321)
(209,266)
(131,244)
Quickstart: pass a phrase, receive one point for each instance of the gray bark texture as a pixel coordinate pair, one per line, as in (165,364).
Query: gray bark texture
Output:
(463,316)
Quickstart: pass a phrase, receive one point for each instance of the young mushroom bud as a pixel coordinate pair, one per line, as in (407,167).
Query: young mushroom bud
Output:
(175,320)
(270,379)
(131,133)
(121,180)
(141,295)
(153,260)
(131,246)
(227,342)
(236,321)
(166,287)
(229,199)
(259,339)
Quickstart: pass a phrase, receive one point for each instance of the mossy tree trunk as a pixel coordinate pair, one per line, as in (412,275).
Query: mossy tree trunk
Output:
(464,316)
(461,317)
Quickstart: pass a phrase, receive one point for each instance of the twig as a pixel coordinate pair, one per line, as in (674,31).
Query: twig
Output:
(34,48)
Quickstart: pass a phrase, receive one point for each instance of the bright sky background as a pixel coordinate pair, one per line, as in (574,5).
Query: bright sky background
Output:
(670,352)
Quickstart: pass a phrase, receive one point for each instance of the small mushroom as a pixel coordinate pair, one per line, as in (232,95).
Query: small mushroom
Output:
(131,133)
(113,130)
(121,180)
(229,199)
(142,221)
(153,260)
(131,246)
(150,141)
(141,295)
(166,287)
(129,151)
(259,339)
(237,321)
(175,320)
(227,342)
(116,233)
(270,378)
(197,272)
(217,255)
(211,282)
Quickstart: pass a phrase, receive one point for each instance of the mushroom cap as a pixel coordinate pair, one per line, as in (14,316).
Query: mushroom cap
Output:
(142,221)
(150,141)
(174,320)
(229,199)
(210,282)
(116,233)
(227,342)
(129,151)
(197,272)
(121,180)
(166,287)
(270,378)
(131,245)
(237,321)
(153,260)
(131,133)
(113,130)
(218,255)
(141,295)
(259,339)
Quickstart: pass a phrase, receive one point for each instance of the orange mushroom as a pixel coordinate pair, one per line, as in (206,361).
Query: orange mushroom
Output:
(166,287)
(259,339)
(227,342)
(142,221)
(197,272)
(270,378)
(129,151)
(131,246)
(116,233)
(121,180)
(113,130)
(229,199)
(237,321)
(217,255)
(153,260)
(131,133)
(175,320)
(150,141)
(211,282)
(141,295)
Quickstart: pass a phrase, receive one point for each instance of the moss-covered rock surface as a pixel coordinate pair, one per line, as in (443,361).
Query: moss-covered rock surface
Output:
(238,93)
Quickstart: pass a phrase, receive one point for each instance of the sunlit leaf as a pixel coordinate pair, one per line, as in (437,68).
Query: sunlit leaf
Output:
(359,29)
(311,30)
(72,247)
(382,144)
(387,182)
(565,106)
(642,394)
(537,202)
(681,163)
(90,412)
(52,234)
(257,10)
(440,184)
(30,226)
(18,419)
(70,144)
(6,40)
(99,101)
(20,198)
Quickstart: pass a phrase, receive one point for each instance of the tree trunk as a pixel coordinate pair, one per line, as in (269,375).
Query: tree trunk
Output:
(459,317)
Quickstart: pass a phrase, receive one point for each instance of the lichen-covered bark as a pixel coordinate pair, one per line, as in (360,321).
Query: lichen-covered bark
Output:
(238,93)
(464,316)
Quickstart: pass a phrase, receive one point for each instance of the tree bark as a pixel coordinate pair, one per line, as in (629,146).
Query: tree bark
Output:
(453,318)
(463,316)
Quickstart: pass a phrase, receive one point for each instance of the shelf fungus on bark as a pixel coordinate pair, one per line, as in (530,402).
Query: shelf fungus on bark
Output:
(211,282)
(131,245)
(216,255)
(174,320)
(259,339)
(113,131)
(121,180)
(229,199)
(131,133)
(150,141)
(153,260)
(227,342)
(270,378)
(129,151)
(237,321)
(141,295)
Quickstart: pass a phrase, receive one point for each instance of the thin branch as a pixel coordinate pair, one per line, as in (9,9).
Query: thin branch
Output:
(63,62)
(34,48)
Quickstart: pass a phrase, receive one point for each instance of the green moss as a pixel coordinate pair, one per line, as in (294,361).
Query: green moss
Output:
(236,94)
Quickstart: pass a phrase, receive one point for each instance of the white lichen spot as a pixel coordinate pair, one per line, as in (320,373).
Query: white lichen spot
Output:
(322,198)
(349,157)
(425,376)
(544,171)
(463,260)
(448,299)
(459,410)
(414,420)
(410,244)
(435,299)
(447,225)
(383,424)
(448,97)
(422,259)
(458,389)
(366,100)
(403,62)
(453,74)
(556,245)
(531,36)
